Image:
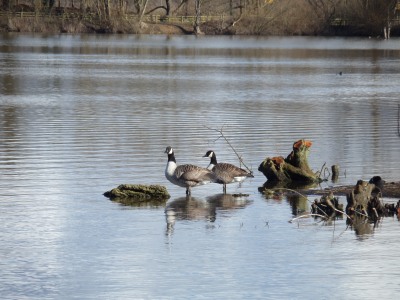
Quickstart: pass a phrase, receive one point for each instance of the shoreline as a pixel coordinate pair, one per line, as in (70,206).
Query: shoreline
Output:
(54,24)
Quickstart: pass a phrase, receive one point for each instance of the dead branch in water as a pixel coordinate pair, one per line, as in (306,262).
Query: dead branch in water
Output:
(230,145)
(323,171)
(306,216)
(314,214)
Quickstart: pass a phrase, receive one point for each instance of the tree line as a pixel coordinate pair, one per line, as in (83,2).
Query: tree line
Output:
(284,17)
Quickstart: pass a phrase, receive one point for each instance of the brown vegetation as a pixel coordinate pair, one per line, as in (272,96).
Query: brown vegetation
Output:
(255,17)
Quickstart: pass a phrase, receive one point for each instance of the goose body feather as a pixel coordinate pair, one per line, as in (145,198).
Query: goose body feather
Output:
(225,172)
(187,175)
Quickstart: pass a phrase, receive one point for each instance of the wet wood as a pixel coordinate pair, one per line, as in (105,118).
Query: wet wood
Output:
(292,169)
(335,173)
(364,203)
(389,190)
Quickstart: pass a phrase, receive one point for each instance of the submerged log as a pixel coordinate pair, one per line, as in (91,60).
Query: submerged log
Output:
(130,194)
(293,168)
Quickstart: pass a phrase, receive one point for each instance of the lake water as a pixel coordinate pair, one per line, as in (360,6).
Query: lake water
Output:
(82,114)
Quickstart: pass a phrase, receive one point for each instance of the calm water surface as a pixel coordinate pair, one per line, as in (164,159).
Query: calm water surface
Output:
(82,114)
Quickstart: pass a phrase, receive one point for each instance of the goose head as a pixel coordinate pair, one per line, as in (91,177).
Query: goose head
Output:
(169,150)
(213,159)
(209,153)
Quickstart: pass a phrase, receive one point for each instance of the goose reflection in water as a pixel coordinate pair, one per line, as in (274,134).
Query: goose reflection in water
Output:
(191,208)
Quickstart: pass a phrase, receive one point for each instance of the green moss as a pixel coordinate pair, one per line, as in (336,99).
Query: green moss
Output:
(130,194)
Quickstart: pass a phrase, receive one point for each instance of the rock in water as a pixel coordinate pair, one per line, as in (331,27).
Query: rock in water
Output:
(138,193)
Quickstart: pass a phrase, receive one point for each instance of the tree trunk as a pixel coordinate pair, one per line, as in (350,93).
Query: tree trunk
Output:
(143,9)
(293,169)
(197,21)
(107,9)
(167,8)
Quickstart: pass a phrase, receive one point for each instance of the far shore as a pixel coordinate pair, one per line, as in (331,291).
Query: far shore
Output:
(57,25)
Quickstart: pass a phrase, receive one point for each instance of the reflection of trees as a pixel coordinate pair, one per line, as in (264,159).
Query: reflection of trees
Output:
(9,117)
(190,208)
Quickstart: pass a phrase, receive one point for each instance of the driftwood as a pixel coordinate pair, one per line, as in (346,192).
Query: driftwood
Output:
(134,194)
(292,169)
(364,205)
(327,205)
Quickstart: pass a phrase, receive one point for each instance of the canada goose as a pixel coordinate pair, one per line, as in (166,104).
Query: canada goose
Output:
(187,176)
(226,173)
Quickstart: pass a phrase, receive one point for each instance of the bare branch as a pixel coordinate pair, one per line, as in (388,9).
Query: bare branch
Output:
(306,216)
(230,145)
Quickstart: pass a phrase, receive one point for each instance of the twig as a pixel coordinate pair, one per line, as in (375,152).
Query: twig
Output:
(335,209)
(326,169)
(361,213)
(337,237)
(294,191)
(230,145)
(290,190)
(320,172)
(323,170)
(306,216)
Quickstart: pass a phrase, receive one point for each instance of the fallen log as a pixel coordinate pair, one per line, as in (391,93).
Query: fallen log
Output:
(388,189)
(292,169)
(131,194)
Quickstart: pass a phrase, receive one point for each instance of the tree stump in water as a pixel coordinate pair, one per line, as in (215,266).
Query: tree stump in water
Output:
(293,169)
(364,200)
(335,173)
(357,200)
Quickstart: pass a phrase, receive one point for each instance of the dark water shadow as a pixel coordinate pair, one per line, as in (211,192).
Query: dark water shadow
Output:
(194,209)
(362,226)
(298,204)
(286,185)
(135,203)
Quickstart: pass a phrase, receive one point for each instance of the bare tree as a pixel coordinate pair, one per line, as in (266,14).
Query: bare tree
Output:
(324,11)
(180,6)
(371,17)
(198,17)
(5,5)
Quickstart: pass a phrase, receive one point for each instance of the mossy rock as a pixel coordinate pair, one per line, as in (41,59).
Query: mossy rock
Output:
(131,194)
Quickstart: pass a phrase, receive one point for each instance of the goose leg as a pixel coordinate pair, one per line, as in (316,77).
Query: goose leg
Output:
(188,191)
(224,188)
